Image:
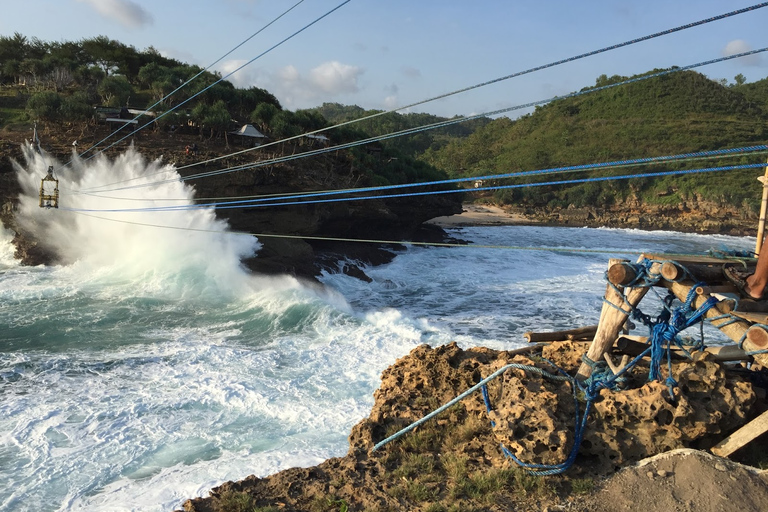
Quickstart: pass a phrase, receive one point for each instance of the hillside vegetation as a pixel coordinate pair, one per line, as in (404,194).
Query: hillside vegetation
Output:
(77,84)
(673,114)
(682,112)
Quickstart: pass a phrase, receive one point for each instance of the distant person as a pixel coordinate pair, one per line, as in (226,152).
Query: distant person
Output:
(194,149)
(186,149)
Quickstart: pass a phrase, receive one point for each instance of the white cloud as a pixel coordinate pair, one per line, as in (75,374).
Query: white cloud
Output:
(390,102)
(243,79)
(326,82)
(740,46)
(335,78)
(125,12)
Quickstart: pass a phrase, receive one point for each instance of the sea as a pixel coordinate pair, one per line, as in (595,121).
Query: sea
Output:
(150,366)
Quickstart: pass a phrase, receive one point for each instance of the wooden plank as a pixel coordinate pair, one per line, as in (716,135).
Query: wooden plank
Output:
(742,437)
(579,333)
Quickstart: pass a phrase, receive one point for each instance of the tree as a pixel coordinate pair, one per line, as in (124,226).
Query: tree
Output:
(262,115)
(218,119)
(114,90)
(283,125)
(740,79)
(45,105)
(76,108)
(102,52)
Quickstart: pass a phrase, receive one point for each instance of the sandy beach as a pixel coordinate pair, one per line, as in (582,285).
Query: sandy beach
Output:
(480,215)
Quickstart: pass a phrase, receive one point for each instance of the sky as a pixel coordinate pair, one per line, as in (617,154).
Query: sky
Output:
(384,54)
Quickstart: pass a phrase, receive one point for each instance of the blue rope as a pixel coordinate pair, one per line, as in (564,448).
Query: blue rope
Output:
(241,204)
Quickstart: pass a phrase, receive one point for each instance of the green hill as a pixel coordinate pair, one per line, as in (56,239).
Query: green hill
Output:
(672,114)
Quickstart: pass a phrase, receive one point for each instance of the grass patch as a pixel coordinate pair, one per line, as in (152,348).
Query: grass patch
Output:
(455,465)
(582,485)
(465,432)
(414,491)
(416,465)
(235,501)
(328,504)
(526,484)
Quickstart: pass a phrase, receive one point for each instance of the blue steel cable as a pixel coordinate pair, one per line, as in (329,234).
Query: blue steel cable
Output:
(426,193)
(521,73)
(553,170)
(186,83)
(513,75)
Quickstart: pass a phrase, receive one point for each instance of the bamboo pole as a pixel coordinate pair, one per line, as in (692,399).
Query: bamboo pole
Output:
(763,210)
(636,345)
(733,328)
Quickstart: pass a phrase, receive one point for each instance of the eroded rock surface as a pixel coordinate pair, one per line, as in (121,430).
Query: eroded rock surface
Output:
(444,462)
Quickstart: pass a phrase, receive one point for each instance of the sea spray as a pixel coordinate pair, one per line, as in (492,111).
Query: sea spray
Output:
(105,220)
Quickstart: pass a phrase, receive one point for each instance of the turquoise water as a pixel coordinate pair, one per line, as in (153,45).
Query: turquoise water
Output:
(150,366)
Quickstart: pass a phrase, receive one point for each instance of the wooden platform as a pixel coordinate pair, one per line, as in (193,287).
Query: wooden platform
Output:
(742,320)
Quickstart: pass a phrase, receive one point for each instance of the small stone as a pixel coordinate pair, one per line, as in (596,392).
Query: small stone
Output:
(650,474)
(720,466)
(661,473)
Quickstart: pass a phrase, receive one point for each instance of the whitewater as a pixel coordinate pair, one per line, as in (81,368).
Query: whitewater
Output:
(150,365)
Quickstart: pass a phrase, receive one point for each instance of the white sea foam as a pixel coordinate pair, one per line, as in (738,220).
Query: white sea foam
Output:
(105,222)
(7,249)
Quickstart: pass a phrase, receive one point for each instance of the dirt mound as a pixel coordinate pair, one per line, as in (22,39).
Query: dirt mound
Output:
(455,462)
(683,480)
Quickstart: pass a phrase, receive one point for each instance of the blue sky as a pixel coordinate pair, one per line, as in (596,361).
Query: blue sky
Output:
(388,53)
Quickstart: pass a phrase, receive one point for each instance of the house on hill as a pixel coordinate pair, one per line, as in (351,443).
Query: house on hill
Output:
(248,135)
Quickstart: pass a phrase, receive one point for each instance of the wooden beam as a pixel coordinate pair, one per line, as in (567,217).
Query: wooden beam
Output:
(580,333)
(636,345)
(733,329)
(758,338)
(622,273)
(711,274)
(763,208)
(757,318)
(742,437)
(709,290)
(612,317)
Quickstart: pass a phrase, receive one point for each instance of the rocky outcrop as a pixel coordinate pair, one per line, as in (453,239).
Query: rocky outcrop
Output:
(691,215)
(441,464)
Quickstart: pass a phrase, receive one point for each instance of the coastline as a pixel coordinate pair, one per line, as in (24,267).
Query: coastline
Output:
(481,215)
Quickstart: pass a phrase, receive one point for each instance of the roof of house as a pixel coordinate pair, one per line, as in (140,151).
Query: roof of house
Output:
(248,130)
